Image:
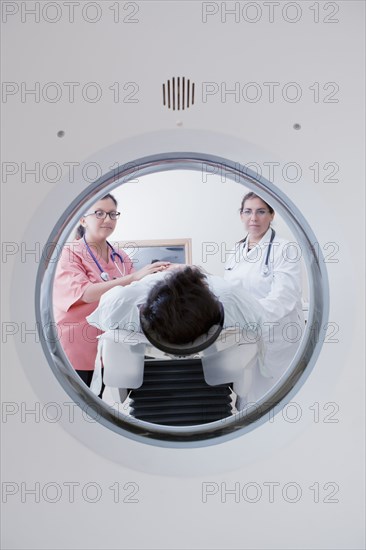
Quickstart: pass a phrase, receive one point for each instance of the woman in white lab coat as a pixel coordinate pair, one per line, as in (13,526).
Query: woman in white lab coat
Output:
(269,268)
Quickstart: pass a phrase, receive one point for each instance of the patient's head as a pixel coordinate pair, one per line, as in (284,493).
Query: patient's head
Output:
(181,307)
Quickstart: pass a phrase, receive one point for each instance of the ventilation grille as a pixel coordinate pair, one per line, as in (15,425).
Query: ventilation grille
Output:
(175,393)
(178,93)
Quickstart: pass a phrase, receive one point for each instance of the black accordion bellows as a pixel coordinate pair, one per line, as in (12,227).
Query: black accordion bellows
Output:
(175,393)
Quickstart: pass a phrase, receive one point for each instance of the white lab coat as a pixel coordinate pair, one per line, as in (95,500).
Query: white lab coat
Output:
(278,293)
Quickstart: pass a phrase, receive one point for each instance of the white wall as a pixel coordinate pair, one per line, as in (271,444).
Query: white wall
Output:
(180,204)
(188,204)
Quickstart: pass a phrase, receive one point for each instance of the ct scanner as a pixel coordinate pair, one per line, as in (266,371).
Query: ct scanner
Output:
(275,105)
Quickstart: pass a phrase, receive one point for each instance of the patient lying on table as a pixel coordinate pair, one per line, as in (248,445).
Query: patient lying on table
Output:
(182,312)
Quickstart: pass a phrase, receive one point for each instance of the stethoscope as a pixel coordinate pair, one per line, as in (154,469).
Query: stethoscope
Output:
(265,270)
(103,275)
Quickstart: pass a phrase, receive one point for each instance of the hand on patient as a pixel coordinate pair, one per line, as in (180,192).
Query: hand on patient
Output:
(171,267)
(156,267)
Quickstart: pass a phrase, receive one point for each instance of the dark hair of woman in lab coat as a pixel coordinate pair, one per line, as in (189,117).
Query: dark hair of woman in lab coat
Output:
(80,231)
(181,307)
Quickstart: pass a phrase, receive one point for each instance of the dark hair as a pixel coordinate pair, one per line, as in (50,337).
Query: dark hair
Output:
(181,307)
(80,231)
(252,195)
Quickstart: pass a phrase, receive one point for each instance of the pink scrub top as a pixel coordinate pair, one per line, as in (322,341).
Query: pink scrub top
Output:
(76,270)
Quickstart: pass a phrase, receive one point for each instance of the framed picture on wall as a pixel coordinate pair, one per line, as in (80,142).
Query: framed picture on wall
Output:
(144,252)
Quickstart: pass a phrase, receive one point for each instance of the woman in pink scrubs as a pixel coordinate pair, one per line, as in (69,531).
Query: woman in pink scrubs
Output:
(87,268)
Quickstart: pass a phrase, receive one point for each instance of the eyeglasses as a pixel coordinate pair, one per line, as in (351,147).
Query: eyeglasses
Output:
(261,212)
(101,215)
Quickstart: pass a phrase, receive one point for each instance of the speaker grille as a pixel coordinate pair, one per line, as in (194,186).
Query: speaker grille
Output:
(178,93)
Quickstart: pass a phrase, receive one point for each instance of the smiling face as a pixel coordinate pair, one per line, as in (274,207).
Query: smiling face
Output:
(256,218)
(98,230)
